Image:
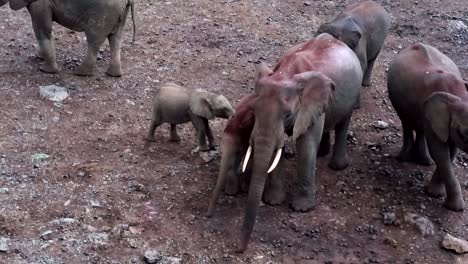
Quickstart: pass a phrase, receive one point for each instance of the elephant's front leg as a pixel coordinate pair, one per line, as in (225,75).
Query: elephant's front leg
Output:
(274,190)
(307,147)
(443,154)
(340,159)
(41,18)
(209,135)
(88,66)
(199,124)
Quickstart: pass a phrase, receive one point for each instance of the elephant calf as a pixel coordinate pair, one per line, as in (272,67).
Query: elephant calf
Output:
(363,27)
(430,97)
(98,19)
(174,104)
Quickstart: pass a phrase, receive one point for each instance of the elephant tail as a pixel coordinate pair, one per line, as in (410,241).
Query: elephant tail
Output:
(131,4)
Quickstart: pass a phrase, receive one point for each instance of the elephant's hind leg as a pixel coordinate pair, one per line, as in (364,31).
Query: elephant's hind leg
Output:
(419,152)
(408,142)
(42,24)
(174,136)
(88,66)
(340,159)
(115,67)
(155,122)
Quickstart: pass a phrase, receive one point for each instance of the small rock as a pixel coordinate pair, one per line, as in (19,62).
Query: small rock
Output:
(95,204)
(208,156)
(152,256)
(47,235)
(39,157)
(306,3)
(62,221)
(3,244)
(456,25)
(53,92)
(4,190)
(389,218)
(458,245)
(381,125)
(99,238)
(390,241)
(423,224)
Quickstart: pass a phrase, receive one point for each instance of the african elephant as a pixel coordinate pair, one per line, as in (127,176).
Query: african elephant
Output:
(98,19)
(234,144)
(312,89)
(174,104)
(430,97)
(363,27)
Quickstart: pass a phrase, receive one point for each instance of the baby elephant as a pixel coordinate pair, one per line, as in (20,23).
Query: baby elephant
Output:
(363,27)
(174,104)
(431,99)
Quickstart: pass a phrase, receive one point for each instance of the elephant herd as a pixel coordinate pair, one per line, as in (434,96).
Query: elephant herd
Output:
(310,92)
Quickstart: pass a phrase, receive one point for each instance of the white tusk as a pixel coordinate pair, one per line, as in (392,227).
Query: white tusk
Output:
(275,161)
(246,159)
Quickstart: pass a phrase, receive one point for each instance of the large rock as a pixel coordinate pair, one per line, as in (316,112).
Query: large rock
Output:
(423,224)
(458,245)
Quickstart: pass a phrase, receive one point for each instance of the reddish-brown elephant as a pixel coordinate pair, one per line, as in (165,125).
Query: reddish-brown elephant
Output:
(313,88)
(431,99)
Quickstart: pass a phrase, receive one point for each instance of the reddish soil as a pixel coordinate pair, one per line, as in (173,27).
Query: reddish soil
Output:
(127,196)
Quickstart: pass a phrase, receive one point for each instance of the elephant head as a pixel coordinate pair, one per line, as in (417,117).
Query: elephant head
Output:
(16,4)
(282,106)
(447,116)
(346,30)
(209,105)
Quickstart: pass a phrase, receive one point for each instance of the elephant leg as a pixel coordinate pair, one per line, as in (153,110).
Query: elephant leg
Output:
(420,152)
(199,124)
(307,147)
(88,66)
(209,135)
(174,137)
(115,67)
(366,79)
(274,193)
(435,188)
(340,159)
(42,24)
(441,154)
(324,148)
(155,122)
(408,142)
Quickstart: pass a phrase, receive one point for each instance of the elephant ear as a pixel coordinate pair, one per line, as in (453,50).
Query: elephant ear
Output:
(352,35)
(200,104)
(316,94)
(18,4)
(437,113)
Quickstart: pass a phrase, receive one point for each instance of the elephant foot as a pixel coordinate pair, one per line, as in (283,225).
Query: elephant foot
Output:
(114,71)
(49,68)
(85,71)
(274,196)
(303,204)
(435,190)
(366,82)
(455,204)
(339,164)
(174,138)
(404,156)
(424,160)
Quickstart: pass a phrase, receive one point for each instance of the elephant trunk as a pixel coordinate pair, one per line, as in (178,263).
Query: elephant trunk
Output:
(228,165)
(263,152)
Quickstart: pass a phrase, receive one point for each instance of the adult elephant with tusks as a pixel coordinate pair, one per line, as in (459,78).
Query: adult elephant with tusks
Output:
(99,19)
(312,89)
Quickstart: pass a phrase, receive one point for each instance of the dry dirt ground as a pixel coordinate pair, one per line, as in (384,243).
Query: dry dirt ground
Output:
(107,197)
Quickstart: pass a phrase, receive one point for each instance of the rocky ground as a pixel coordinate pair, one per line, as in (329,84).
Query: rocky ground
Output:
(79,185)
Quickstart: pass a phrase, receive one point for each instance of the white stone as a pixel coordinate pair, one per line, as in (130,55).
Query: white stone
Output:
(458,245)
(53,92)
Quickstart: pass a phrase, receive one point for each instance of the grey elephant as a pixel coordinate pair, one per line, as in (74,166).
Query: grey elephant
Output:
(363,27)
(312,89)
(98,19)
(174,104)
(430,97)
(234,145)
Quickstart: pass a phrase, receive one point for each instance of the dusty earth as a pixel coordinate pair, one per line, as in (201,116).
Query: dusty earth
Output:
(105,196)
